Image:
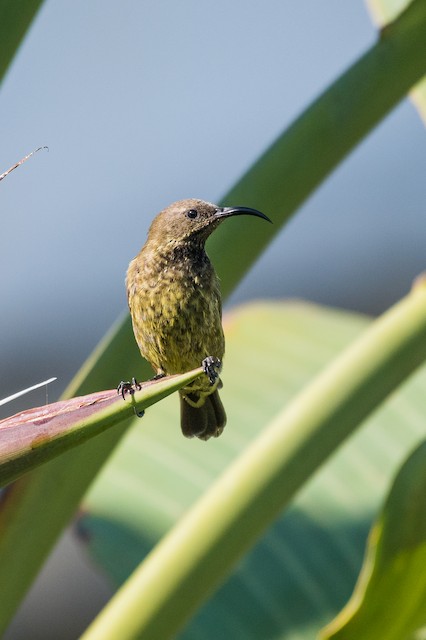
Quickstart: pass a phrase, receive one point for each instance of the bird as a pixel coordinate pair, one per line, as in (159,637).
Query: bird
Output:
(175,305)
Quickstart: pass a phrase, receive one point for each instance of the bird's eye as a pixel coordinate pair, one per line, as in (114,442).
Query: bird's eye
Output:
(192,213)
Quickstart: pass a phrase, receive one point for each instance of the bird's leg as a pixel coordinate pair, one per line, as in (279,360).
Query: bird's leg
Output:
(125,387)
(158,376)
(212,367)
(136,385)
(128,387)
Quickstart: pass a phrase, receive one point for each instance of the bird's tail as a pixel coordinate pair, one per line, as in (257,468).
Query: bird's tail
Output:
(205,421)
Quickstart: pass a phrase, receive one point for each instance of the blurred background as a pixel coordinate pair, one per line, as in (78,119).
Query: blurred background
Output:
(144,103)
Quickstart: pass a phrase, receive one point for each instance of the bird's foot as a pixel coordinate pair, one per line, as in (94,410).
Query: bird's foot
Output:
(212,367)
(130,387)
(158,376)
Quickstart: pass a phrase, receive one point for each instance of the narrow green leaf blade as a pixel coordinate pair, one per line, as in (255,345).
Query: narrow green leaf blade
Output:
(306,153)
(383,12)
(15,19)
(389,600)
(33,437)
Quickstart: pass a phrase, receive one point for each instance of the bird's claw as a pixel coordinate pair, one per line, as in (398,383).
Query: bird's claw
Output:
(128,387)
(212,367)
(158,376)
(125,387)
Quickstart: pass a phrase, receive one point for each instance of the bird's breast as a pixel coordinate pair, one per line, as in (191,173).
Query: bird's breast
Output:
(176,312)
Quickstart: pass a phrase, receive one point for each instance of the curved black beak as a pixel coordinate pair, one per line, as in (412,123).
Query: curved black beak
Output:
(226,212)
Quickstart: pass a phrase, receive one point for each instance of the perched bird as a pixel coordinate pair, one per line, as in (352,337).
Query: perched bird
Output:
(176,309)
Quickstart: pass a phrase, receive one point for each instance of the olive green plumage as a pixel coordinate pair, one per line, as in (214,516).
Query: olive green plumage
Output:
(175,305)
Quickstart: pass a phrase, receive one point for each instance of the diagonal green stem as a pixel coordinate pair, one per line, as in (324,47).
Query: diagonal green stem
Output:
(185,567)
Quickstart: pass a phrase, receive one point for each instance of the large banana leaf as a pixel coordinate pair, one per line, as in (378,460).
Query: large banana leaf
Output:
(303,571)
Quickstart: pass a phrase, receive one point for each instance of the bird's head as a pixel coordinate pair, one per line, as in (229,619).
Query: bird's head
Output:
(192,220)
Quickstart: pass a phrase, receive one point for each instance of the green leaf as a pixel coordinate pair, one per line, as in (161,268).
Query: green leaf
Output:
(383,12)
(305,566)
(33,437)
(15,19)
(389,600)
